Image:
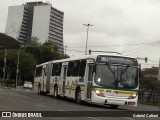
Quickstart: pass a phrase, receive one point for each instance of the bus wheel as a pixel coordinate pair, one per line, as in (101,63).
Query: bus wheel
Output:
(56,92)
(114,106)
(39,90)
(78,96)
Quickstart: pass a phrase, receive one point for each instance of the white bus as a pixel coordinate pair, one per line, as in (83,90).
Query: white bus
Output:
(103,79)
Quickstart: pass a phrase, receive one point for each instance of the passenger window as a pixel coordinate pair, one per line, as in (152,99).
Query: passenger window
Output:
(56,69)
(82,68)
(70,68)
(76,68)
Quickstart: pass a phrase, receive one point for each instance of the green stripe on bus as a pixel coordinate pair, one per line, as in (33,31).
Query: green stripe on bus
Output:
(115,88)
(109,88)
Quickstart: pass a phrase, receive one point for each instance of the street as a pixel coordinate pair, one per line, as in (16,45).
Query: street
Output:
(26,100)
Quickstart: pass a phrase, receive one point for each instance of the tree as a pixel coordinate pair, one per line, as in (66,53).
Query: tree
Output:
(27,65)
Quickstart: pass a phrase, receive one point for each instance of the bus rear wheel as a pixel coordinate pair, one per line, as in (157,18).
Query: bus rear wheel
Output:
(78,96)
(39,90)
(114,106)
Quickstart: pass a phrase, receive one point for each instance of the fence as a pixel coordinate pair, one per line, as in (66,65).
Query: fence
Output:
(149,97)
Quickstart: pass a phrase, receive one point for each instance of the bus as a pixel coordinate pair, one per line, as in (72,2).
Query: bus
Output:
(102,79)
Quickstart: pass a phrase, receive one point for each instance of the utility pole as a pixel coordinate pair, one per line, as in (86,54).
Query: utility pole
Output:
(4,67)
(17,69)
(65,50)
(88,25)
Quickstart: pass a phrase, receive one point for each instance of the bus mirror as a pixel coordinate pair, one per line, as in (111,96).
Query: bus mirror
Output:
(140,72)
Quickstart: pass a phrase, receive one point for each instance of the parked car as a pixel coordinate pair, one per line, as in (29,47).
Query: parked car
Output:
(27,85)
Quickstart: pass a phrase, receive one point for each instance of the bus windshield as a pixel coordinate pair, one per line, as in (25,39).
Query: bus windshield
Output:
(116,76)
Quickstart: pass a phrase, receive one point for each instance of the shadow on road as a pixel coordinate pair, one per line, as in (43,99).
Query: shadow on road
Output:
(92,105)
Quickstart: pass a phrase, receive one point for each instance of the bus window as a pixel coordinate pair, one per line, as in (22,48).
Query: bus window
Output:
(38,72)
(76,68)
(56,69)
(70,68)
(82,68)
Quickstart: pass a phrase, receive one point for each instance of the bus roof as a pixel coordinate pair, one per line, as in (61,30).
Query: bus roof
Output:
(94,56)
(88,57)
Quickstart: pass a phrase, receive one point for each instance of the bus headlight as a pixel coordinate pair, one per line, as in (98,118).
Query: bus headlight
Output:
(99,93)
(132,96)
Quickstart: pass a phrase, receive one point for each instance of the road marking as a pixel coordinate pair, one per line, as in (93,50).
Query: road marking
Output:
(128,118)
(42,106)
(60,110)
(94,118)
(6,107)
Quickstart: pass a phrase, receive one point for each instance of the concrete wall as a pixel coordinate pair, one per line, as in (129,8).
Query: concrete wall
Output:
(41,20)
(14,21)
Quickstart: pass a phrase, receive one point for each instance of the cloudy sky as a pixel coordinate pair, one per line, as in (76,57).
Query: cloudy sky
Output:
(131,27)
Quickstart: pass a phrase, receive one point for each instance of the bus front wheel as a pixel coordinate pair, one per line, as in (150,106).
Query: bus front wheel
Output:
(39,90)
(78,96)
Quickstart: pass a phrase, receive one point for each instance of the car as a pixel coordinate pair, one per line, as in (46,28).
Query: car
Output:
(27,85)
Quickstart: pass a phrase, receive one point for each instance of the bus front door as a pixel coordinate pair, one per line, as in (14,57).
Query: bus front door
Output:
(89,81)
(64,78)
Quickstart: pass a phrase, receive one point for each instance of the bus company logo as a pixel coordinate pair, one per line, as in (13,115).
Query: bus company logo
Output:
(6,114)
(116,92)
(108,91)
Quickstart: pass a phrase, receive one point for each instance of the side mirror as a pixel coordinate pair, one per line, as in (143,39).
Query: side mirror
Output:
(140,72)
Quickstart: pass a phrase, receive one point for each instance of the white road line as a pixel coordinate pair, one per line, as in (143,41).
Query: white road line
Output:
(6,107)
(94,118)
(128,118)
(41,106)
(60,110)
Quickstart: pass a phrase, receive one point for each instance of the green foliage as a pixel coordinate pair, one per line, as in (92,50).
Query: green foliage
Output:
(149,79)
(45,52)
(33,41)
(27,65)
(34,53)
(149,83)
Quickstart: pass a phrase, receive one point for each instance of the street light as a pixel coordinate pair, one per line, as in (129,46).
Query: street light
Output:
(4,68)
(65,50)
(88,25)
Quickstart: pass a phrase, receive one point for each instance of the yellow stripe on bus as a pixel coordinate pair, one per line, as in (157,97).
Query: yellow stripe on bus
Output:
(122,92)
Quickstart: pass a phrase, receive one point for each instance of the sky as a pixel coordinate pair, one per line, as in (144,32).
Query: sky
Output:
(131,27)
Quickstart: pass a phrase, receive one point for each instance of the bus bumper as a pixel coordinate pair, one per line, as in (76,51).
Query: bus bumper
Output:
(113,101)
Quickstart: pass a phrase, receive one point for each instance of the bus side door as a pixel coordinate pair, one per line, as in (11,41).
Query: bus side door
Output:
(63,78)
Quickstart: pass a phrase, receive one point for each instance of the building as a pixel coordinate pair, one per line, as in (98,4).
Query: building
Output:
(35,19)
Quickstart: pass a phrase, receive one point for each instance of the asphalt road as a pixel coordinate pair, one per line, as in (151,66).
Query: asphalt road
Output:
(27,100)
